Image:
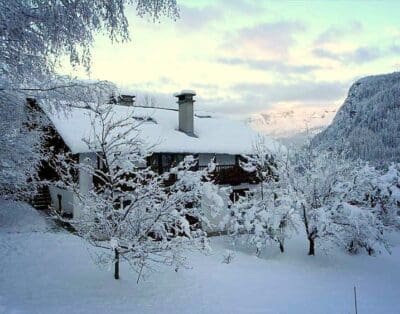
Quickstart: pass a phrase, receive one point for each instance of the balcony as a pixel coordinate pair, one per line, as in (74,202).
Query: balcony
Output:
(232,175)
(225,174)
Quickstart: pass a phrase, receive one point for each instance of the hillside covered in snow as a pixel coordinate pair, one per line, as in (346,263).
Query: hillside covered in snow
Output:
(368,123)
(48,270)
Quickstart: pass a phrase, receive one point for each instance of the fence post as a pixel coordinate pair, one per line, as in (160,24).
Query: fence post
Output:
(355,299)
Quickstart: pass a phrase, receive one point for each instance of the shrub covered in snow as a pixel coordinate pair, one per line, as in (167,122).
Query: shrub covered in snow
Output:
(337,201)
(370,210)
(265,214)
(342,201)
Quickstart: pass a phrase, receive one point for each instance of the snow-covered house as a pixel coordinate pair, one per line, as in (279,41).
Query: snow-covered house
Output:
(172,134)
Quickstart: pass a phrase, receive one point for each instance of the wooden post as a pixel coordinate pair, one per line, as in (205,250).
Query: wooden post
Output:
(281,247)
(311,248)
(116,264)
(355,299)
(59,197)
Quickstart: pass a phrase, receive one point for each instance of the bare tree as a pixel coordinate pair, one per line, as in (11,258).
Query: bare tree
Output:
(34,35)
(133,213)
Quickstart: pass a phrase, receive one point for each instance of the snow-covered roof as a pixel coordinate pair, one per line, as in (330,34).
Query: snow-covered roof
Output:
(214,133)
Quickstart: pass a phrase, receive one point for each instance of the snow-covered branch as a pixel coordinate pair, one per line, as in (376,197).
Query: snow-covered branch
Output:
(132,211)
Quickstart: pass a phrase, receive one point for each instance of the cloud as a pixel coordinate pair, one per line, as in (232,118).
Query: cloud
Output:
(395,49)
(270,65)
(205,86)
(194,19)
(267,37)
(335,33)
(364,54)
(247,98)
(243,6)
(325,53)
(302,92)
(359,55)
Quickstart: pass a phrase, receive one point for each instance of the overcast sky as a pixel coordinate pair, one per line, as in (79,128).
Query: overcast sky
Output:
(243,57)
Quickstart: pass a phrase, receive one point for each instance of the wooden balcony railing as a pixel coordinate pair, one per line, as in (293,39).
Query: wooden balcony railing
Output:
(223,174)
(232,175)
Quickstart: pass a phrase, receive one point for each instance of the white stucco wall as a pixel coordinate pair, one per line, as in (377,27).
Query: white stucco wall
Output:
(69,204)
(67,199)
(85,178)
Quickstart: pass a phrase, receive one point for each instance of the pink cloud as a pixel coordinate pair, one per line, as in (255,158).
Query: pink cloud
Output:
(274,39)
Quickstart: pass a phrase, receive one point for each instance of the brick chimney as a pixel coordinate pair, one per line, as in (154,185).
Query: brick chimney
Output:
(185,102)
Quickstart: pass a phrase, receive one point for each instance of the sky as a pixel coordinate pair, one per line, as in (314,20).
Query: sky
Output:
(244,57)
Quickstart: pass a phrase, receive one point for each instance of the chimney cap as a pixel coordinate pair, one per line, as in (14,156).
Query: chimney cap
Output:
(185,92)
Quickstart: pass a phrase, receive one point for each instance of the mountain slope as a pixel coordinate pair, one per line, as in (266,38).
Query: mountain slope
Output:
(368,123)
(288,122)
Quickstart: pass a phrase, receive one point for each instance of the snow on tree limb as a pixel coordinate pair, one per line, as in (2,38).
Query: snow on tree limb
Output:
(133,212)
(265,214)
(34,36)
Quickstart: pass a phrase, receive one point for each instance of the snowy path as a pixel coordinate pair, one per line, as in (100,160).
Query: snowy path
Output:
(43,271)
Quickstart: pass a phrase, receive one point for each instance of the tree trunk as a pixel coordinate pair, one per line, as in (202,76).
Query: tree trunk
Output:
(310,237)
(311,249)
(116,264)
(281,247)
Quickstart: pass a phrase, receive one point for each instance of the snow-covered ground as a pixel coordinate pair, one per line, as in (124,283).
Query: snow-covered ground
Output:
(45,270)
